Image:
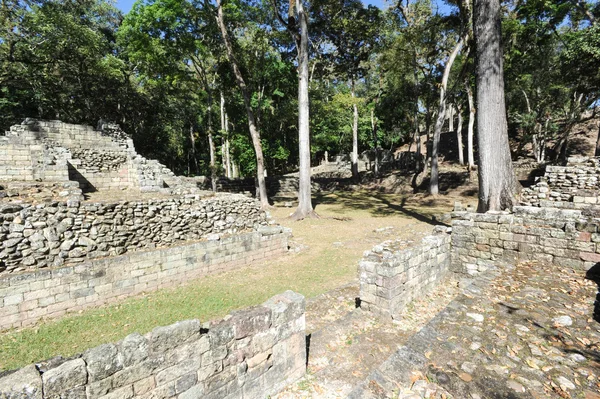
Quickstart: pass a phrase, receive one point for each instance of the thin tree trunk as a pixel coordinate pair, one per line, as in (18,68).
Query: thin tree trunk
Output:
(193,145)
(470,156)
(254,133)
(354,165)
(434,182)
(225,141)
(211,146)
(375,142)
(451,119)
(305,207)
(497,184)
(461,150)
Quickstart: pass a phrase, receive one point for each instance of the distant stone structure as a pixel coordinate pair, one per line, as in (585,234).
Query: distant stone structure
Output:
(576,185)
(103,159)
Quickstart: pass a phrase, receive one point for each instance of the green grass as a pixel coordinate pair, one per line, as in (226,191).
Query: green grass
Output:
(207,298)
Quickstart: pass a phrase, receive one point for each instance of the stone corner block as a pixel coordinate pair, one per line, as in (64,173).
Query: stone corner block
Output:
(25,383)
(69,375)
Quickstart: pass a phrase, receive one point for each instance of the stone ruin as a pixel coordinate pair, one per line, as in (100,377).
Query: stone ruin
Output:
(575,185)
(69,159)
(61,253)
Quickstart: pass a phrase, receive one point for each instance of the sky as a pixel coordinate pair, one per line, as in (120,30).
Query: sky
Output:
(125,5)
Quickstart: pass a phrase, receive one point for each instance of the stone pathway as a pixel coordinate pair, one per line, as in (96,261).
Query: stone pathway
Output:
(527,332)
(346,344)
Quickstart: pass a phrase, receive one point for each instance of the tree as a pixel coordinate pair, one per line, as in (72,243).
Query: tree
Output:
(297,25)
(254,132)
(433,185)
(497,184)
(352,31)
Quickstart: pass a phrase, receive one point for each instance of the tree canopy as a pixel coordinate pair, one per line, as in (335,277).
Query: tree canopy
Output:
(162,69)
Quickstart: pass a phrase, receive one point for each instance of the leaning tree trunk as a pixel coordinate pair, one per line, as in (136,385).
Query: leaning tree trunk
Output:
(497,184)
(354,135)
(305,207)
(434,182)
(254,133)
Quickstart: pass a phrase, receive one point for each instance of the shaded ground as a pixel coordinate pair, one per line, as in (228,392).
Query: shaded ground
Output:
(346,344)
(527,333)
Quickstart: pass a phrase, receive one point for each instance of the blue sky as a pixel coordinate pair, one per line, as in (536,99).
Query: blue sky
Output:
(125,5)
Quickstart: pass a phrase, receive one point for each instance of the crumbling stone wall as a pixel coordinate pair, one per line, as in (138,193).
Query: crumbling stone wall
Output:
(51,292)
(103,159)
(559,236)
(576,184)
(56,233)
(252,354)
(390,278)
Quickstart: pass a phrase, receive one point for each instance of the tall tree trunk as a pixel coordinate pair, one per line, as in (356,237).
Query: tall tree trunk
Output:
(459,140)
(193,145)
(497,183)
(375,142)
(470,155)
(305,207)
(254,133)
(225,141)
(451,119)
(434,182)
(211,145)
(354,165)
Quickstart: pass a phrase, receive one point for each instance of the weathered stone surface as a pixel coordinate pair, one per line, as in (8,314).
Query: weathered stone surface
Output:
(134,349)
(165,338)
(103,361)
(25,383)
(59,380)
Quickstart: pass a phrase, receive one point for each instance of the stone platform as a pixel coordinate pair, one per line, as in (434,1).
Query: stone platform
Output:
(526,331)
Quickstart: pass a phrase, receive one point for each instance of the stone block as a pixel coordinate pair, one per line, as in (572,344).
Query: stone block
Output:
(25,383)
(103,361)
(165,338)
(59,380)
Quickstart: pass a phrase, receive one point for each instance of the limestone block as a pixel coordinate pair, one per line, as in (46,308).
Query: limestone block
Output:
(64,378)
(25,383)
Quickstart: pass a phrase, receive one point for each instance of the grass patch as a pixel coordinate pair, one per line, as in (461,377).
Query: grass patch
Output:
(333,248)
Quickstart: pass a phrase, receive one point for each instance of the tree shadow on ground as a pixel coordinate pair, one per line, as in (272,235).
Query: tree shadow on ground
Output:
(378,205)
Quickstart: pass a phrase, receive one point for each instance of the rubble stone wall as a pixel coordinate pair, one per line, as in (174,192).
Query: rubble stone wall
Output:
(57,233)
(252,354)
(392,278)
(559,236)
(52,292)
(577,184)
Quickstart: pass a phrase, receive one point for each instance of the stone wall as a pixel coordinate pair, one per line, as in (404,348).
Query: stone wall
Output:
(559,236)
(390,278)
(575,183)
(100,160)
(252,354)
(56,233)
(52,292)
